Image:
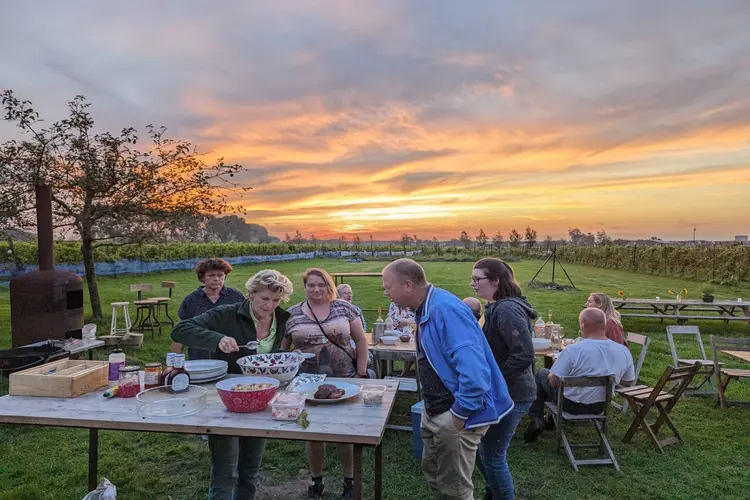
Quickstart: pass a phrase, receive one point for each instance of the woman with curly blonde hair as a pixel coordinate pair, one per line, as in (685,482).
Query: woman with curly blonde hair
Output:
(235,461)
(615,331)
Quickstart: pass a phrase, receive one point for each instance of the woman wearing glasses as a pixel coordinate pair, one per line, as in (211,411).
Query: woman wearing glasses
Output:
(507,326)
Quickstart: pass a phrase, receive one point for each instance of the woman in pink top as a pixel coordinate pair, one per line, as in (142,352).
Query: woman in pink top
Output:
(615,331)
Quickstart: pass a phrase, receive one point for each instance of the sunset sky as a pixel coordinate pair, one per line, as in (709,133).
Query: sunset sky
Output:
(426,117)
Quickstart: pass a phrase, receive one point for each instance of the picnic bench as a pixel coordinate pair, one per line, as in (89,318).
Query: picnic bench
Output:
(349,422)
(338,278)
(683,310)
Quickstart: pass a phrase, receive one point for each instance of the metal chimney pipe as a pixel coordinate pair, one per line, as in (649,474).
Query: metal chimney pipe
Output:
(46,242)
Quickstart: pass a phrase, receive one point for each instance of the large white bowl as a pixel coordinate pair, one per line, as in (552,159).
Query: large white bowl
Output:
(389,339)
(541,344)
(283,366)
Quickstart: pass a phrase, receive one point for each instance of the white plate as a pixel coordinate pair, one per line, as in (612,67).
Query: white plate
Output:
(204,376)
(198,366)
(207,380)
(350,390)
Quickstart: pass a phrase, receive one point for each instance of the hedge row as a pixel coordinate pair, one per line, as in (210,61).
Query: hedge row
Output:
(718,263)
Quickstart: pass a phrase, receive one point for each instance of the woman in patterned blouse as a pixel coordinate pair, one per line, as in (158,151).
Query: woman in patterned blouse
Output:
(323,325)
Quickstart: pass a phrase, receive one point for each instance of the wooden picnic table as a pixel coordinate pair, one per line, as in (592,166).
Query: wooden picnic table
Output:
(338,278)
(743,355)
(684,310)
(349,422)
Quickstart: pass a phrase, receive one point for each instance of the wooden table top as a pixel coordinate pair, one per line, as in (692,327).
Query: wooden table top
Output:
(686,302)
(349,421)
(743,355)
(355,275)
(411,347)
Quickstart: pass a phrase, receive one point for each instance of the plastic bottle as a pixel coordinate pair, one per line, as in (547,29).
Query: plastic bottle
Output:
(116,360)
(539,328)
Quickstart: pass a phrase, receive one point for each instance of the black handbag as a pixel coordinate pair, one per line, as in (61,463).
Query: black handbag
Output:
(370,372)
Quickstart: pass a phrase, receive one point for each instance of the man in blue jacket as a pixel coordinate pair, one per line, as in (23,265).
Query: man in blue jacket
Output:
(464,391)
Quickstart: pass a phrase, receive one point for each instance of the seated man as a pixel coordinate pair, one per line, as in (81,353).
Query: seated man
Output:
(594,356)
(346,293)
(476,308)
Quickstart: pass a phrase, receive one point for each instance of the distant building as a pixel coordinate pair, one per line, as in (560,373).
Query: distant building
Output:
(740,238)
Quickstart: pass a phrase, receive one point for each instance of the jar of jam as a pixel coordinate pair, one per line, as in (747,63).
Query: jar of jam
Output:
(168,367)
(178,380)
(130,384)
(152,375)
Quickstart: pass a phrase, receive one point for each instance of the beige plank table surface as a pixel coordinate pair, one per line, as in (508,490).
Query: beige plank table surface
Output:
(743,355)
(349,421)
(338,278)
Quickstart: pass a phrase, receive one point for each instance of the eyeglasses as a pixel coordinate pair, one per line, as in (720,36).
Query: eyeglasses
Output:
(474,279)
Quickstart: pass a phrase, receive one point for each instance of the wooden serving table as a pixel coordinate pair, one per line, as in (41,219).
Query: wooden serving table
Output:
(349,422)
(338,278)
(684,310)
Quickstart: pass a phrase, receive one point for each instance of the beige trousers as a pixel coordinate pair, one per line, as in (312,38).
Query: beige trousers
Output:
(448,456)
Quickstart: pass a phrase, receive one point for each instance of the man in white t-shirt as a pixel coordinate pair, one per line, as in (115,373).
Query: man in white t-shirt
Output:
(594,356)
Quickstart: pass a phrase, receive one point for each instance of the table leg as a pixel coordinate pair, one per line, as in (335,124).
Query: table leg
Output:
(358,486)
(91,354)
(93,458)
(379,472)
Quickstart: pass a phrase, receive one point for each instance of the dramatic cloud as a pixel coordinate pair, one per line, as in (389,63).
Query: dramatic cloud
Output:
(425,117)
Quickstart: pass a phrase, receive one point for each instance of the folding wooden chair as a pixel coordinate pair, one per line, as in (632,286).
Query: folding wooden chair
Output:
(643,341)
(599,421)
(725,375)
(642,398)
(707,370)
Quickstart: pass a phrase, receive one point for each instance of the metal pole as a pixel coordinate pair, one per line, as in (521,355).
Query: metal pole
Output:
(93,458)
(554,258)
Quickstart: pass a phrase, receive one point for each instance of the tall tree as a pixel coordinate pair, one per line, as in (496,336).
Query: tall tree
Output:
(576,236)
(530,237)
(372,246)
(514,237)
(357,241)
(497,240)
(231,228)
(287,238)
(548,243)
(405,241)
(314,241)
(436,243)
(464,239)
(602,238)
(104,181)
(297,237)
(482,238)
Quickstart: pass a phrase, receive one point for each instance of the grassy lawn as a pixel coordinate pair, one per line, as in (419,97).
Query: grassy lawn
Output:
(714,462)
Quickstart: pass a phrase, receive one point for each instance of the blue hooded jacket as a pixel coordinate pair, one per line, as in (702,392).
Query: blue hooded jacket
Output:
(458,351)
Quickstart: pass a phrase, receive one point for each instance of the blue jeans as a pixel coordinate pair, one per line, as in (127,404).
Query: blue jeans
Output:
(235,467)
(492,453)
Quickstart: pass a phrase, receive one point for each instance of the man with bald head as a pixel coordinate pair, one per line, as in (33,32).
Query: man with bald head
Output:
(464,391)
(476,308)
(594,356)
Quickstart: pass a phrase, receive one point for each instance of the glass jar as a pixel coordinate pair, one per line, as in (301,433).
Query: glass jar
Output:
(130,384)
(152,375)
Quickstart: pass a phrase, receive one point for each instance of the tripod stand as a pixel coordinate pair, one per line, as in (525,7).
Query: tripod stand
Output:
(555,260)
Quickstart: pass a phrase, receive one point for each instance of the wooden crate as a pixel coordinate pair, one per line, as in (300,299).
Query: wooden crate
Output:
(65,378)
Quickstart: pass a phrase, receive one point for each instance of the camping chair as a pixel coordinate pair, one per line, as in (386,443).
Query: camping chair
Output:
(725,375)
(642,398)
(643,341)
(599,421)
(707,370)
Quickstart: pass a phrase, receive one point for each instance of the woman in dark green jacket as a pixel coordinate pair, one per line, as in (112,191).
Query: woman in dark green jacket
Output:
(235,461)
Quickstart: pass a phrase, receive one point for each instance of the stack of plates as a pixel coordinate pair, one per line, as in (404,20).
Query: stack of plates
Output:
(202,371)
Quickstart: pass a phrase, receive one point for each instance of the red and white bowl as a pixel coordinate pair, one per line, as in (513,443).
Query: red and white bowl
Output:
(282,366)
(246,401)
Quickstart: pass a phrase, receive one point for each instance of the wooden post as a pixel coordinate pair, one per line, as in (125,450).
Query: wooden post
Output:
(93,458)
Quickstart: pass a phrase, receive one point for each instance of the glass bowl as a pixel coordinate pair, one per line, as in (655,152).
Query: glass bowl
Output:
(161,402)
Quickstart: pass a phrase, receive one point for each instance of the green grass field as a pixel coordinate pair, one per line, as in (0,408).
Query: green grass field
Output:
(714,462)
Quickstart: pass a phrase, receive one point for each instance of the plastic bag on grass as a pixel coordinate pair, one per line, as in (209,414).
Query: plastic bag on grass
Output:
(105,491)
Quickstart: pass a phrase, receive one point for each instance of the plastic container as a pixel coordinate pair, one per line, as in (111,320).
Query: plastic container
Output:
(287,405)
(373,394)
(116,360)
(161,402)
(539,328)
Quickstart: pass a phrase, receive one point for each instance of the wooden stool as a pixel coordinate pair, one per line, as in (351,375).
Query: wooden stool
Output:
(163,302)
(145,316)
(114,329)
